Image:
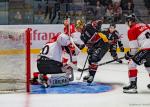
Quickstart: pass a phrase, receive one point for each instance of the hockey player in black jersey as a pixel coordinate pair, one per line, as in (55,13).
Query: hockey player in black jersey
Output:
(114,39)
(97,44)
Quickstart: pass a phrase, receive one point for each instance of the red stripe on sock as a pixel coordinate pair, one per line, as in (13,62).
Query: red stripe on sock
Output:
(132,73)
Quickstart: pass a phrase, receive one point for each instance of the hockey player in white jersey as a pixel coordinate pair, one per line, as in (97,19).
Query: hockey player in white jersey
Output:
(49,62)
(139,38)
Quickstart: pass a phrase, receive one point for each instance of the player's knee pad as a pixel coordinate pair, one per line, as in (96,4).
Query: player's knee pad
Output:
(141,57)
(60,79)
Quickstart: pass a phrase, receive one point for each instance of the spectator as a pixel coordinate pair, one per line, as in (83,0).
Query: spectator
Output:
(129,8)
(18,17)
(117,12)
(39,15)
(99,10)
(89,13)
(106,2)
(90,2)
(114,1)
(109,13)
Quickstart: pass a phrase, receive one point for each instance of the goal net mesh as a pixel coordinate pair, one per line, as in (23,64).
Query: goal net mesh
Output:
(12,61)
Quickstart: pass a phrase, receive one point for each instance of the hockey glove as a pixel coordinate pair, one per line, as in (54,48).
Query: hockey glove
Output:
(90,51)
(121,49)
(128,56)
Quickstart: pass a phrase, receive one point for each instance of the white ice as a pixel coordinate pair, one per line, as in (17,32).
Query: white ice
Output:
(116,74)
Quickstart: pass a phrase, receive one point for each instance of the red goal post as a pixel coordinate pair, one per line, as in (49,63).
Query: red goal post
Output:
(15,61)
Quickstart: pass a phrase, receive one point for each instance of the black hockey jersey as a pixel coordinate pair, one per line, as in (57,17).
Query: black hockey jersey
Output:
(88,33)
(114,37)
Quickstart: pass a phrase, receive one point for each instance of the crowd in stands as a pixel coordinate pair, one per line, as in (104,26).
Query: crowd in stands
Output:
(110,10)
(54,11)
(147,4)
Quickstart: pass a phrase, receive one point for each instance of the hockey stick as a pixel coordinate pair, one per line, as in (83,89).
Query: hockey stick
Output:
(69,33)
(100,64)
(82,70)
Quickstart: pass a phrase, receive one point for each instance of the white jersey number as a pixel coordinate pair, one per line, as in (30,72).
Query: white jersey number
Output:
(45,50)
(147,35)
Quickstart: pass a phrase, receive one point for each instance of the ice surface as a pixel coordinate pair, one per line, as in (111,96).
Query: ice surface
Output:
(115,74)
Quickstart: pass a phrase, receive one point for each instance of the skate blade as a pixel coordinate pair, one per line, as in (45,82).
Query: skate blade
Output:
(132,91)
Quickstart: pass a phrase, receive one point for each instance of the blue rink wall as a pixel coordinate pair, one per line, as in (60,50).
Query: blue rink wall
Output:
(73,88)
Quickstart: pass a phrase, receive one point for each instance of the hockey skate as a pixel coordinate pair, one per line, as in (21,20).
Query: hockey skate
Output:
(85,78)
(148,86)
(132,88)
(43,80)
(89,79)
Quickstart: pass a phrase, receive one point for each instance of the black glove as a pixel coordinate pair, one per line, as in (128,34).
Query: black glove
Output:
(90,51)
(121,49)
(128,56)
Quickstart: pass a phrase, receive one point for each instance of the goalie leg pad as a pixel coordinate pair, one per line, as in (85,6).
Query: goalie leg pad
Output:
(69,71)
(58,80)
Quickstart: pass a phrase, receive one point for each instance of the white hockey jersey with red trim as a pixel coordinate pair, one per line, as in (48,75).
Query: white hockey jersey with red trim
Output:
(53,49)
(139,36)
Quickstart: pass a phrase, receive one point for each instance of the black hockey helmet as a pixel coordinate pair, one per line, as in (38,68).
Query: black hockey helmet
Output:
(131,17)
(112,24)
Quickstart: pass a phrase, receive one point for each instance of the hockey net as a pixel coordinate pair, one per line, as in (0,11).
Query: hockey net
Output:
(14,60)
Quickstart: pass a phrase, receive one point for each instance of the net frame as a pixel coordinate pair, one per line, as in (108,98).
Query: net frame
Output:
(27,61)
